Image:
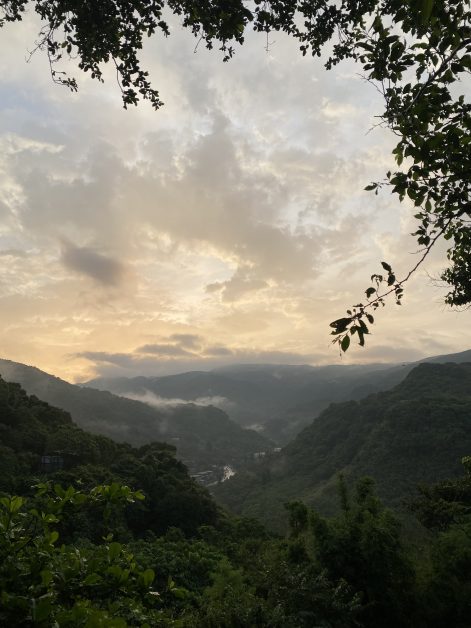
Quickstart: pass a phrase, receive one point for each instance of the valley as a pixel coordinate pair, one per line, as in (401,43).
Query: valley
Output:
(304,521)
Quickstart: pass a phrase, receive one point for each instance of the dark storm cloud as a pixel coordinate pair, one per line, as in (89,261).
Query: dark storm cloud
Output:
(91,263)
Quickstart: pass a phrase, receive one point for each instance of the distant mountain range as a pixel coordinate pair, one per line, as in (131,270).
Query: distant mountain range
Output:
(277,400)
(205,437)
(415,433)
(269,398)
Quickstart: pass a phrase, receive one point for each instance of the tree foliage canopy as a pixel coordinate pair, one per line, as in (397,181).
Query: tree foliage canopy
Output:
(416,52)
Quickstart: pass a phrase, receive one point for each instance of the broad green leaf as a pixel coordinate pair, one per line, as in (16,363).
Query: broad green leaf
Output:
(114,550)
(147,577)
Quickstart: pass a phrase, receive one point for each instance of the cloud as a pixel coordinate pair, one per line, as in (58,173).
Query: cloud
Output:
(190,341)
(164,350)
(122,360)
(156,401)
(130,364)
(13,253)
(238,286)
(91,263)
(237,210)
(219,350)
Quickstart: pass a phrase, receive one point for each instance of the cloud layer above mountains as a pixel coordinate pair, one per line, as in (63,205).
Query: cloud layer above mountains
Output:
(231,226)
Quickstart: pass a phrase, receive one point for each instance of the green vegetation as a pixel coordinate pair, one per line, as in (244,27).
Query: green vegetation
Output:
(44,583)
(31,429)
(416,433)
(204,436)
(121,537)
(279,399)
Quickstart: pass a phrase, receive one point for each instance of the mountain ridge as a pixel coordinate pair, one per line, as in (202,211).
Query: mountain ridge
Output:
(279,400)
(203,435)
(415,433)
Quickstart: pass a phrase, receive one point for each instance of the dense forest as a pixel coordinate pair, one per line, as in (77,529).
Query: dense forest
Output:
(95,533)
(204,436)
(413,434)
(280,400)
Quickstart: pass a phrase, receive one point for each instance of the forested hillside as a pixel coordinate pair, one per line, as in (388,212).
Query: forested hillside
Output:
(263,395)
(38,440)
(415,433)
(95,533)
(279,400)
(204,436)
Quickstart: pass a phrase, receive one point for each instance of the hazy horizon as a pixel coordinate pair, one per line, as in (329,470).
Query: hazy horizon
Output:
(166,368)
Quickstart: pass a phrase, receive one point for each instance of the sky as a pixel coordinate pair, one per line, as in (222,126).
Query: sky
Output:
(230,226)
